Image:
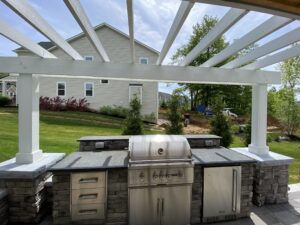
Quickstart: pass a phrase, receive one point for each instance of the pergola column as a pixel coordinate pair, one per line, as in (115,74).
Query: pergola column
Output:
(258,144)
(28,94)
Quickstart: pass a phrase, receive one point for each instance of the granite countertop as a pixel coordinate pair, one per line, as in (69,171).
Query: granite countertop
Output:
(93,161)
(119,159)
(219,156)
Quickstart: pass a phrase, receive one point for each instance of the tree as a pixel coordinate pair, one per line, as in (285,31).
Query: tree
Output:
(286,109)
(174,116)
(203,93)
(220,124)
(133,122)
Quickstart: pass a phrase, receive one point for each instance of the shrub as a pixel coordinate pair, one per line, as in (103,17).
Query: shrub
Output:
(59,104)
(118,111)
(247,134)
(221,127)
(4,101)
(163,104)
(149,118)
(174,116)
(133,122)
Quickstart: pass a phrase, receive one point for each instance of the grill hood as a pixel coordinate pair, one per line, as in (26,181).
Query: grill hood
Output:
(159,147)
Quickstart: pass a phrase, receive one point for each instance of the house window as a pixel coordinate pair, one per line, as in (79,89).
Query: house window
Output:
(89,58)
(136,90)
(61,88)
(89,89)
(143,60)
(104,82)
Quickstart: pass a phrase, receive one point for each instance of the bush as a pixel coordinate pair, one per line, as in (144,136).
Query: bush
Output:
(4,101)
(247,135)
(133,122)
(174,116)
(149,118)
(118,111)
(221,127)
(59,104)
(163,104)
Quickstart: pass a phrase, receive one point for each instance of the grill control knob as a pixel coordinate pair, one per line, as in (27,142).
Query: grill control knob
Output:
(155,176)
(142,176)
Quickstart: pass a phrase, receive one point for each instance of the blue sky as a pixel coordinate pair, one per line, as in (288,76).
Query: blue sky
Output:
(153,19)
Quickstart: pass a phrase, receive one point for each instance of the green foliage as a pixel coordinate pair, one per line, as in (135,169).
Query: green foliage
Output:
(163,104)
(133,122)
(287,111)
(4,101)
(117,111)
(174,116)
(149,117)
(247,135)
(236,97)
(221,126)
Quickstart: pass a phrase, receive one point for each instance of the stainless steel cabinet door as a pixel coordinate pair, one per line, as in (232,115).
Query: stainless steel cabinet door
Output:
(144,206)
(176,205)
(222,188)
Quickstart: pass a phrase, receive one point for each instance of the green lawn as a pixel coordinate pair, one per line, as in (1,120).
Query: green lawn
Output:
(58,130)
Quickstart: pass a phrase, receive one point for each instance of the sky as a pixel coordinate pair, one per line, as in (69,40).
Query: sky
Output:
(152,21)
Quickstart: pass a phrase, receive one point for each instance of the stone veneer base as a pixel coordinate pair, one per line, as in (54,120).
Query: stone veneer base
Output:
(271,177)
(25,186)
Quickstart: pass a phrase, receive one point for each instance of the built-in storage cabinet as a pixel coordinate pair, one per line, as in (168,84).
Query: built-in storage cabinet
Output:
(221,192)
(88,196)
(170,205)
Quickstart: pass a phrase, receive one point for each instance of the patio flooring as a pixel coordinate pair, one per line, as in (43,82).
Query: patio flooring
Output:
(282,214)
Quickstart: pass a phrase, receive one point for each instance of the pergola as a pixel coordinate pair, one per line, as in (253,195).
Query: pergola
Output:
(233,73)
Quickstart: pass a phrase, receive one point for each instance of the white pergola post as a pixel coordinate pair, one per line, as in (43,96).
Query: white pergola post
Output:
(3,88)
(28,92)
(258,144)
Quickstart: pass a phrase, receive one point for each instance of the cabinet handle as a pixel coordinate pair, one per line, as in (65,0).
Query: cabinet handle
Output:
(88,180)
(88,196)
(163,207)
(234,190)
(157,206)
(88,211)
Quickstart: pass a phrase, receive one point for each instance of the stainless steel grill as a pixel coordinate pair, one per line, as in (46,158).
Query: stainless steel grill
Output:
(161,174)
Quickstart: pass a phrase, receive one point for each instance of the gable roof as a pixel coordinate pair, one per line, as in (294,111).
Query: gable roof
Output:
(51,46)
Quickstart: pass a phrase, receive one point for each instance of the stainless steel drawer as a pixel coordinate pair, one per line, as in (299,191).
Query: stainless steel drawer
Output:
(88,196)
(88,212)
(88,180)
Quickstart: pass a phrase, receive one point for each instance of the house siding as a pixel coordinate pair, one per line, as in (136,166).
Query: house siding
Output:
(117,47)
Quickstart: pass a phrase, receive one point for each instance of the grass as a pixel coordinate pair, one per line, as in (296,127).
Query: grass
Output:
(285,148)
(58,130)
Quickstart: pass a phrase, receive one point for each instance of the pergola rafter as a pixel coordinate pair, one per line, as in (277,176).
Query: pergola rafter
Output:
(269,26)
(278,43)
(28,13)
(275,58)
(20,39)
(30,68)
(230,18)
(85,24)
(182,14)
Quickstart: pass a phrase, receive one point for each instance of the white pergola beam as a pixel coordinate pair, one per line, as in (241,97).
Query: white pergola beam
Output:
(136,72)
(278,43)
(275,58)
(28,13)
(20,39)
(182,13)
(80,16)
(259,32)
(231,17)
(130,16)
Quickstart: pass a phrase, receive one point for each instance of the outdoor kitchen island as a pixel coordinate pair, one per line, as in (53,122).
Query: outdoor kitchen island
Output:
(92,187)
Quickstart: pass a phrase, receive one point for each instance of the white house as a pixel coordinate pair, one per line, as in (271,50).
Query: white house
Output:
(100,92)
